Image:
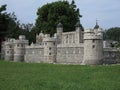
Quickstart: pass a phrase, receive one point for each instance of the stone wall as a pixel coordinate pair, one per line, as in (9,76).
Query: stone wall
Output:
(70,55)
(111,56)
(34,55)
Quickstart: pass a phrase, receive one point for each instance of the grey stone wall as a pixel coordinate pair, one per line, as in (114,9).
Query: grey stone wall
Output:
(70,55)
(34,55)
(111,56)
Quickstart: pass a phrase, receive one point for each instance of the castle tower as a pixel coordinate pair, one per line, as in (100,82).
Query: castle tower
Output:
(93,48)
(39,38)
(19,48)
(79,33)
(8,50)
(50,49)
(59,33)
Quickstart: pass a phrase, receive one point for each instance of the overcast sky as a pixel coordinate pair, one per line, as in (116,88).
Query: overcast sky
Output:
(106,11)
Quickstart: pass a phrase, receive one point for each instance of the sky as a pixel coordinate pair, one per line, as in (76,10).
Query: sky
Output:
(107,12)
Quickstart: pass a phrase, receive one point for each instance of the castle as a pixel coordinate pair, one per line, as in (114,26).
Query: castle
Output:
(76,47)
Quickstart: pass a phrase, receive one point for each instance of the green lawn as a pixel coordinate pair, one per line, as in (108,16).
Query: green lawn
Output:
(28,76)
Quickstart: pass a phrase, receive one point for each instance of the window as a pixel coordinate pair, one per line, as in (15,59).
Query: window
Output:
(49,53)
(45,43)
(10,46)
(50,48)
(93,46)
(21,45)
(7,52)
(54,43)
(93,40)
(113,54)
(17,45)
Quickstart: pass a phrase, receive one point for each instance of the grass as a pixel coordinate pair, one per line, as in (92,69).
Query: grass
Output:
(31,76)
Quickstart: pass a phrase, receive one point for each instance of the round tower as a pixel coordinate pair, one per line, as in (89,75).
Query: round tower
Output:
(19,48)
(9,50)
(59,33)
(50,49)
(93,48)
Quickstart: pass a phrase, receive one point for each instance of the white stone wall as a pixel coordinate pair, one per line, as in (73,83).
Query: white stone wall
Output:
(70,55)
(111,56)
(68,38)
(74,37)
(34,55)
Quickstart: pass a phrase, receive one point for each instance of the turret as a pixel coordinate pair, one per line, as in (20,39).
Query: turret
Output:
(8,50)
(19,48)
(98,30)
(79,33)
(39,38)
(93,48)
(50,49)
(96,26)
(59,33)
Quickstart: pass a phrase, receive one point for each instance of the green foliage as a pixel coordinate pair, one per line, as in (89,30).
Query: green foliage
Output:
(113,34)
(10,26)
(3,21)
(15,29)
(2,8)
(51,14)
(13,26)
(26,76)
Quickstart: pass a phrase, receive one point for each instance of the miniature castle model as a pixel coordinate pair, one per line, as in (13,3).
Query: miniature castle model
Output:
(76,47)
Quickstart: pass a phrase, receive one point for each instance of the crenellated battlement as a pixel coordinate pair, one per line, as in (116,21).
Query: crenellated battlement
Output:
(93,34)
(49,39)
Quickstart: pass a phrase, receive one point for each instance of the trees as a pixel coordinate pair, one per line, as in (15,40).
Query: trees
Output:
(113,34)
(3,21)
(10,26)
(51,14)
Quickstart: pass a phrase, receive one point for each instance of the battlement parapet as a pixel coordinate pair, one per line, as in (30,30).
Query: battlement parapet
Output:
(21,41)
(71,45)
(89,30)
(49,39)
(111,49)
(90,34)
(34,46)
(8,43)
(96,37)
